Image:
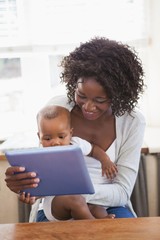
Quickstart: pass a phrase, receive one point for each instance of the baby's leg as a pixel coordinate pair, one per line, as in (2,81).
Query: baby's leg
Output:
(70,206)
(99,211)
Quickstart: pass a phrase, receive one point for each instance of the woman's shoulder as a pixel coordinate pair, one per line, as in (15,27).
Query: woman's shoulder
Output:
(131,123)
(135,116)
(60,100)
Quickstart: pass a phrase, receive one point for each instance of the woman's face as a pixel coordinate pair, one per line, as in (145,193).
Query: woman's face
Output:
(91,97)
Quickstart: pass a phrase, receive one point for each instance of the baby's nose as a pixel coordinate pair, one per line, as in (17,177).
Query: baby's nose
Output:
(55,142)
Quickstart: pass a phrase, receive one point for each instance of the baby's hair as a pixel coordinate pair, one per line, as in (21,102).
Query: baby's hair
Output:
(53,111)
(115,66)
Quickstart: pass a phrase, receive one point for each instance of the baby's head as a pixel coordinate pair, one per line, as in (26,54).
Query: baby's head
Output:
(54,126)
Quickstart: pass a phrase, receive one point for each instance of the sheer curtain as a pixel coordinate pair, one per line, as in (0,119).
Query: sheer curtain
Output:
(139,196)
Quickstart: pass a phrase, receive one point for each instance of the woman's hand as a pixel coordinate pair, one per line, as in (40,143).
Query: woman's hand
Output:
(22,180)
(26,198)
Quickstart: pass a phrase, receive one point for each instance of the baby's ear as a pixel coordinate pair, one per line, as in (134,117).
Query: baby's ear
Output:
(71,131)
(38,135)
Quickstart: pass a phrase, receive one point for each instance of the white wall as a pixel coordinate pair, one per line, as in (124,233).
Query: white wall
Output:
(8,199)
(152,67)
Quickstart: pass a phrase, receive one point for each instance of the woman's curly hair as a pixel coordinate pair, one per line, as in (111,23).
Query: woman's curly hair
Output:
(114,65)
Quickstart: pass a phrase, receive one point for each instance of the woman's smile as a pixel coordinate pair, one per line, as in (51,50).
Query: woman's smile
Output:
(90,115)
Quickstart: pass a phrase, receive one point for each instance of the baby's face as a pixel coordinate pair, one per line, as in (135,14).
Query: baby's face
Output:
(54,132)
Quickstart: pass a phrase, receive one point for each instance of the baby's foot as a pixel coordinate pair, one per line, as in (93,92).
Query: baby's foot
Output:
(110,216)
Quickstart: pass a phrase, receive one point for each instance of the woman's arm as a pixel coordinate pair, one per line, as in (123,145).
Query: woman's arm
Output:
(17,179)
(128,143)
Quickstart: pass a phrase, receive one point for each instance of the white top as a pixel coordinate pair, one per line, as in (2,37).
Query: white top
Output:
(85,146)
(95,168)
(129,138)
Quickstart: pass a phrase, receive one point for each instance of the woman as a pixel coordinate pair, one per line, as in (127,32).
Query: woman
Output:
(104,80)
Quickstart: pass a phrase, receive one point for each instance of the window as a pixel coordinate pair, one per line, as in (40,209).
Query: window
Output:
(8,21)
(70,21)
(35,34)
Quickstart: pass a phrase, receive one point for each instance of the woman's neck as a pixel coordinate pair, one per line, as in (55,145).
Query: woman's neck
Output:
(100,131)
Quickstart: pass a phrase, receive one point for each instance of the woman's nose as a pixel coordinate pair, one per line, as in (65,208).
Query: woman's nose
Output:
(89,106)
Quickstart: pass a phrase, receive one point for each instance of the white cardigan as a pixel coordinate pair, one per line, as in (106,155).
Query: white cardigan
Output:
(129,139)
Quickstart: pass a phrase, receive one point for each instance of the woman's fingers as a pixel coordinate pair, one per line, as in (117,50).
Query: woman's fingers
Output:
(12,170)
(17,186)
(21,180)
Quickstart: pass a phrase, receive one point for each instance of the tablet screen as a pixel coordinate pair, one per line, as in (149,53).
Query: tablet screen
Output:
(61,169)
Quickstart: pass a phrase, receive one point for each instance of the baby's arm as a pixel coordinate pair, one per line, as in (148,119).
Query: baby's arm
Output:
(88,149)
(26,198)
(108,167)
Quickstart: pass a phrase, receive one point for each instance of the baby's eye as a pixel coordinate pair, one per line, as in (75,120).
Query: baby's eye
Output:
(61,137)
(47,138)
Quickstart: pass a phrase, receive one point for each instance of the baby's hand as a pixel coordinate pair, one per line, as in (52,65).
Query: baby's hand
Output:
(26,198)
(109,169)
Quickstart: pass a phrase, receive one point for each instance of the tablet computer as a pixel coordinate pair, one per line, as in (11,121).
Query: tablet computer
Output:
(62,169)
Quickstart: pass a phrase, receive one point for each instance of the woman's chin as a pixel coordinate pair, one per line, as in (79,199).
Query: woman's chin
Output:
(91,115)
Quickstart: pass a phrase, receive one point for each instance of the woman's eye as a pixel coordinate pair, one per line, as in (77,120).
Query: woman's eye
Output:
(81,96)
(100,101)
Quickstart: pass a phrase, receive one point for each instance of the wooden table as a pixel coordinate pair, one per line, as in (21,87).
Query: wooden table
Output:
(115,229)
